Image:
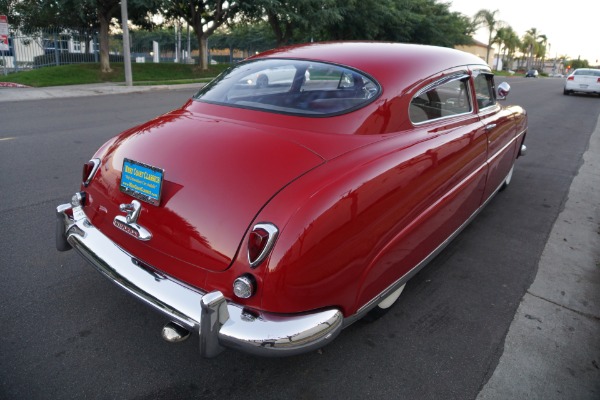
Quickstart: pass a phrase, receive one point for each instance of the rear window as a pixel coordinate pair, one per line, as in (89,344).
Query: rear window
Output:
(589,72)
(292,87)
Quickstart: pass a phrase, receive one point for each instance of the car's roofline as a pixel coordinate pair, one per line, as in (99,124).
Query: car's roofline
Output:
(414,60)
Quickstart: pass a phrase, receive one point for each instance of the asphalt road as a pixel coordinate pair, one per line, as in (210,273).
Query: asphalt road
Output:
(67,332)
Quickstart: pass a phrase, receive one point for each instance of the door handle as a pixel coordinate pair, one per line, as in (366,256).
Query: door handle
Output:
(489,127)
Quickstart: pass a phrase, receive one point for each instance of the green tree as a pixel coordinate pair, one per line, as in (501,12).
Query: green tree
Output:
(541,49)
(414,21)
(531,45)
(488,19)
(139,12)
(250,37)
(205,17)
(432,23)
(294,21)
(54,14)
(578,63)
(8,8)
(76,14)
(508,41)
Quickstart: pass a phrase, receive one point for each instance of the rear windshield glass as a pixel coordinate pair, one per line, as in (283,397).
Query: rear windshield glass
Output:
(291,87)
(589,72)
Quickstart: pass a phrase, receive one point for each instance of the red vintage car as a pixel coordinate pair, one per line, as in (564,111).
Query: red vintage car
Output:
(297,192)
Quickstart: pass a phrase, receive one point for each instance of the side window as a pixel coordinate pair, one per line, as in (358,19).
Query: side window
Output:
(484,90)
(446,98)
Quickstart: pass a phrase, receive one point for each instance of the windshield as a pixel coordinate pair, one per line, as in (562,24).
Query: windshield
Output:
(291,87)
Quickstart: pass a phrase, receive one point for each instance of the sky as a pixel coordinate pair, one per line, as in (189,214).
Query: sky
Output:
(572,29)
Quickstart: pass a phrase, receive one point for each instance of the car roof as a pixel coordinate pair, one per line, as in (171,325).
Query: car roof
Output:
(408,62)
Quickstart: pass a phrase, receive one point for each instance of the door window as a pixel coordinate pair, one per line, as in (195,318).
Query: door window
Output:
(484,90)
(445,98)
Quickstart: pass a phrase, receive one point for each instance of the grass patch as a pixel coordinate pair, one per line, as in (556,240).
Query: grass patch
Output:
(150,73)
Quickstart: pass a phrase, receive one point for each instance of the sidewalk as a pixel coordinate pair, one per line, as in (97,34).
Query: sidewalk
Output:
(552,350)
(30,93)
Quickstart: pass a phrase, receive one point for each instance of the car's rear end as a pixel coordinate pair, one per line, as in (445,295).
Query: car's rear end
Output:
(584,80)
(167,211)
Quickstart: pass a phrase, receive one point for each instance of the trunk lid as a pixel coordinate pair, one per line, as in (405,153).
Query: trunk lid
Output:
(217,177)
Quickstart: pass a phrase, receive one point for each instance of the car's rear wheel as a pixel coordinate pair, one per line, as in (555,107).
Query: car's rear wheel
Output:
(566,92)
(384,305)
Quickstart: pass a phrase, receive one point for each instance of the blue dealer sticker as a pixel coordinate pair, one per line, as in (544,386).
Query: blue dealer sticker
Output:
(142,181)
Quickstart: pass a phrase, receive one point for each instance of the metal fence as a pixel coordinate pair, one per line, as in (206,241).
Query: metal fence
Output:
(43,48)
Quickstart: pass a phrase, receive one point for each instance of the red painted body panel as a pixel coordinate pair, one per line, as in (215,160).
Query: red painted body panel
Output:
(204,159)
(359,198)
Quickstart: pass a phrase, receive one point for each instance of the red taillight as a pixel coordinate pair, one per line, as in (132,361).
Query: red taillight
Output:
(89,170)
(257,243)
(598,80)
(260,242)
(571,78)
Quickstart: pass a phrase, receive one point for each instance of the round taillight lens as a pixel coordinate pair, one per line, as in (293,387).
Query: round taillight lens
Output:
(244,286)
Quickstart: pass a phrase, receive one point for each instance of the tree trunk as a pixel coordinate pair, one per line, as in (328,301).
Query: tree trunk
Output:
(203,52)
(104,48)
(202,48)
(489,46)
(274,23)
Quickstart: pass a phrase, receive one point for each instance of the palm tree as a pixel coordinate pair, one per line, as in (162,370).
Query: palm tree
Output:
(541,50)
(499,40)
(488,19)
(508,41)
(533,43)
(511,44)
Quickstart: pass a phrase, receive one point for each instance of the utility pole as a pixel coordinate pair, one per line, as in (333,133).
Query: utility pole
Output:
(126,52)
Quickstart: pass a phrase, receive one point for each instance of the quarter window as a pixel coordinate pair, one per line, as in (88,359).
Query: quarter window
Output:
(484,90)
(445,98)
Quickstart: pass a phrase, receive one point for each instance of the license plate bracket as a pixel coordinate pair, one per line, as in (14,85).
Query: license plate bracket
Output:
(142,181)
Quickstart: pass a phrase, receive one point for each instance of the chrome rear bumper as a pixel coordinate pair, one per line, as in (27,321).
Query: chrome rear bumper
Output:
(219,323)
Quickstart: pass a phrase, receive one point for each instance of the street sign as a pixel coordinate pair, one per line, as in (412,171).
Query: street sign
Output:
(3,33)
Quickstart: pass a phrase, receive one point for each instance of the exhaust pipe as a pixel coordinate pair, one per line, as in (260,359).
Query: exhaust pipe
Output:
(174,333)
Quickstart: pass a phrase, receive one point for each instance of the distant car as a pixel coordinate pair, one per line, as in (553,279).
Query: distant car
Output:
(584,80)
(274,77)
(532,73)
(267,216)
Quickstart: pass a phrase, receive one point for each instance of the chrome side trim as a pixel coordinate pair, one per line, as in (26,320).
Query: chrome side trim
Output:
(218,322)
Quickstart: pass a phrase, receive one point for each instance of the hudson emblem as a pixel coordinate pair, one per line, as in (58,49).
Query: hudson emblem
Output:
(128,223)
